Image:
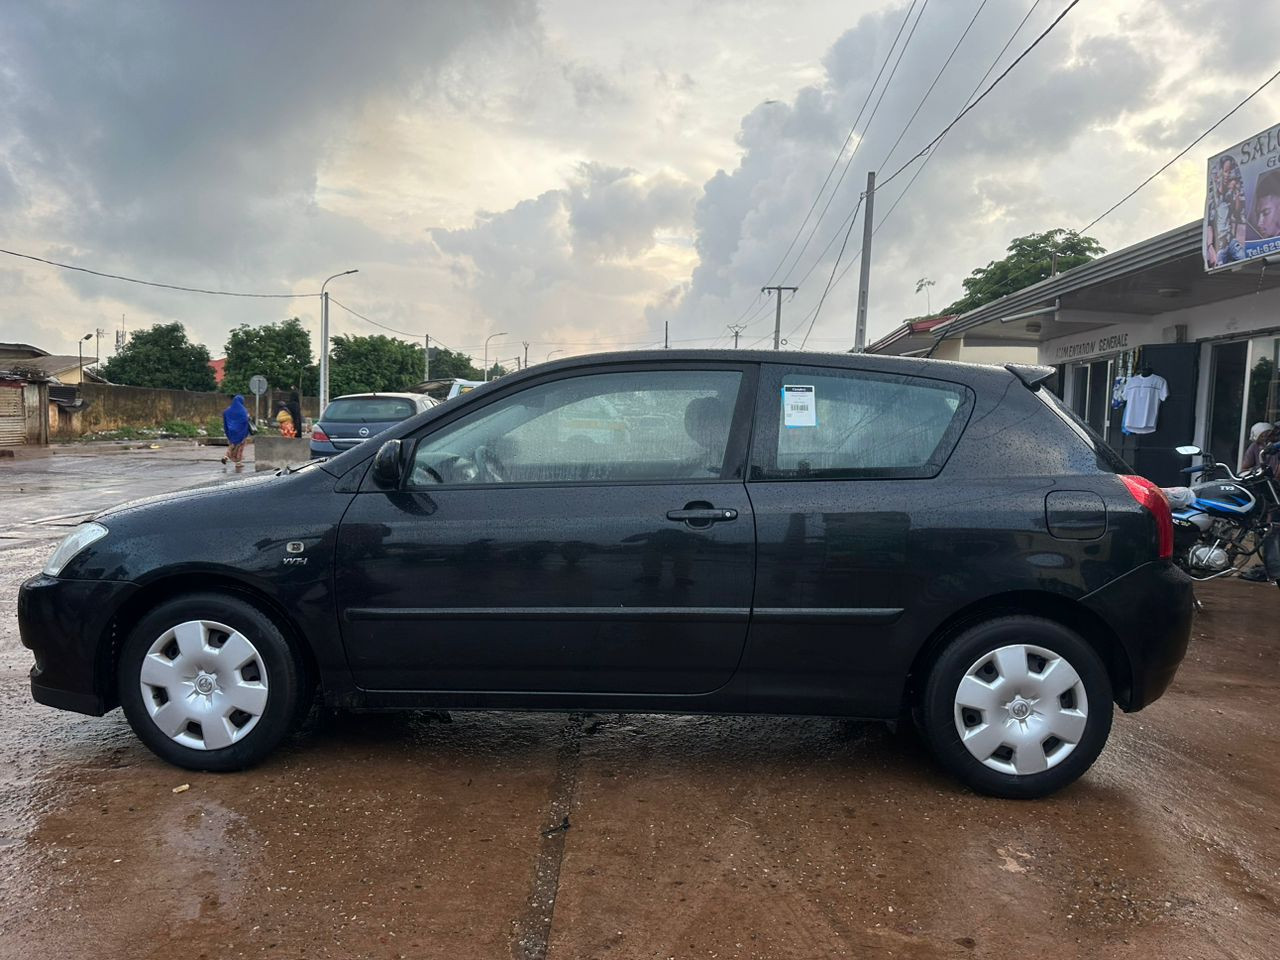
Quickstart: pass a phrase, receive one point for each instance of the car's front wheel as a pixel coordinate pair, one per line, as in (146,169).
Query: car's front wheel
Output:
(1018,706)
(208,682)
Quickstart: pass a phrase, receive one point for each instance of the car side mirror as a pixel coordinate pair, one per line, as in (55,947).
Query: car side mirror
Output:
(1188,450)
(386,465)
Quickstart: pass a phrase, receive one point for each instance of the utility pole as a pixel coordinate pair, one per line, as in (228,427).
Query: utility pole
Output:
(324,339)
(864,276)
(666,334)
(777,320)
(736,329)
(426,356)
(97,348)
(526,353)
(324,351)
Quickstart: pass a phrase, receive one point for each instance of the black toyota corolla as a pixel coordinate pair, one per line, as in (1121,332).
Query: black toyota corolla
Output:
(688,532)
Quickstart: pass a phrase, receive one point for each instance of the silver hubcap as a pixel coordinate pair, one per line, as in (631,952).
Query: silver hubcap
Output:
(204,684)
(1021,709)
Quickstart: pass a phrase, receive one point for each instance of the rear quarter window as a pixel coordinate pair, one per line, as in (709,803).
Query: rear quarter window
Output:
(1107,459)
(823,423)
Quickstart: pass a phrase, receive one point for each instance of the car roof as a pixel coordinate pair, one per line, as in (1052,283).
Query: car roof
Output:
(973,373)
(399,396)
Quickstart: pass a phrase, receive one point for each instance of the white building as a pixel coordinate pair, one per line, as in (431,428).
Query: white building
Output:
(1215,338)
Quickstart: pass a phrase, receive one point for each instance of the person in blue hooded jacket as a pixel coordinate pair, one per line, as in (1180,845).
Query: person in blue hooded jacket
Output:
(235,422)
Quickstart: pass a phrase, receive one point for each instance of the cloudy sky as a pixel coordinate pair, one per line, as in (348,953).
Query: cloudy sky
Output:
(575,173)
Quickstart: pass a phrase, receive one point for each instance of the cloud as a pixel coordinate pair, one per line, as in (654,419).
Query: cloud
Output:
(998,166)
(188,141)
(614,212)
(633,164)
(574,258)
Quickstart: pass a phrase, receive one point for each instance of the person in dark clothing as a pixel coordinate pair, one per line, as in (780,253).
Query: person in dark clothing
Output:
(294,407)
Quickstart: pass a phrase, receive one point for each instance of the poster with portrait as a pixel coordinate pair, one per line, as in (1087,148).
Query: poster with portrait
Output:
(1242,202)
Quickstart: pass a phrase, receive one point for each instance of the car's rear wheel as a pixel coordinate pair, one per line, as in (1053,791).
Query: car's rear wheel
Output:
(208,682)
(1017,707)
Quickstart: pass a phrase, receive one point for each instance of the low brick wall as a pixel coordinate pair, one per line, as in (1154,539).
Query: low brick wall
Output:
(272,453)
(110,407)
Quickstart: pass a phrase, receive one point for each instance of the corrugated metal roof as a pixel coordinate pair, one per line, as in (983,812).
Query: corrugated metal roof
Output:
(1169,246)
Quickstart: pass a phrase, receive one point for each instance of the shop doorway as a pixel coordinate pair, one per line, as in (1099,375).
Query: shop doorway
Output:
(1227,369)
(1153,455)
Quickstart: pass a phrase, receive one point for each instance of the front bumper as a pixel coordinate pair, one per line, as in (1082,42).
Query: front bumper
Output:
(65,624)
(1150,610)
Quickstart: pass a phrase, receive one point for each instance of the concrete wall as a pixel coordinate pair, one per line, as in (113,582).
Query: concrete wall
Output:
(272,453)
(110,407)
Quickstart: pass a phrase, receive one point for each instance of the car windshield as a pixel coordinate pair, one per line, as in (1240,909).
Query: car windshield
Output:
(368,409)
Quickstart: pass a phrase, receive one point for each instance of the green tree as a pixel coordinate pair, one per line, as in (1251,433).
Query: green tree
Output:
(449,363)
(378,364)
(1030,260)
(281,352)
(373,364)
(161,357)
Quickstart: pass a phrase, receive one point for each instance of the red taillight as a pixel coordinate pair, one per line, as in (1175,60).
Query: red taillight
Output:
(318,434)
(1153,499)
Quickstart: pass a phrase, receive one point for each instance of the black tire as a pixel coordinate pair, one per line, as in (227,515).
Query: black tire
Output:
(286,681)
(939,709)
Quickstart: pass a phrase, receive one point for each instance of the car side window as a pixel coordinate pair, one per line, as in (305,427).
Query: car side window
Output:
(625,426)
(821,423)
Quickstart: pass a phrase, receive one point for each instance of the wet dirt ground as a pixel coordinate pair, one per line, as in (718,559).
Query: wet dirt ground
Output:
(565,836)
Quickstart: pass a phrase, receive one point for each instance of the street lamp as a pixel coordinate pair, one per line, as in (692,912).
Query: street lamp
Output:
(324,339)
(553,353)
(80,350)
(486,352)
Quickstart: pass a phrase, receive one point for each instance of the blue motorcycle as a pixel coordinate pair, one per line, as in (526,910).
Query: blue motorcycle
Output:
(1224,521)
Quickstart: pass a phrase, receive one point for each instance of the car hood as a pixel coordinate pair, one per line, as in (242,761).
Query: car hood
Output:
(232,488)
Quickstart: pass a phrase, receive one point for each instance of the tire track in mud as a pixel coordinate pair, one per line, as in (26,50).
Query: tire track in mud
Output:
(532,930)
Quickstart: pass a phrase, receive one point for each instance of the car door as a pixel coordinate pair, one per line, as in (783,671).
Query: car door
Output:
(588,531)
(843,475)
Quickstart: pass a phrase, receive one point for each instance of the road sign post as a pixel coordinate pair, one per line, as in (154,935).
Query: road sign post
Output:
(258,384)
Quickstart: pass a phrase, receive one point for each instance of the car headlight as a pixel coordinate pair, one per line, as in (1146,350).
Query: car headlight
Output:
(73,543)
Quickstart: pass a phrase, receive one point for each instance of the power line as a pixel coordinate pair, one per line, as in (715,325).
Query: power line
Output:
(996,82)
(907,126)
(1182,152)
(154,283)
(756,304)
(852,129)
(376,323)
(938,76)
(920,169)
(849,163)
(835,266)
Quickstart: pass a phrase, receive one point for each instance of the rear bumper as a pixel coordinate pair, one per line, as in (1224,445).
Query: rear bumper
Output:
(64,623)
(1150,609)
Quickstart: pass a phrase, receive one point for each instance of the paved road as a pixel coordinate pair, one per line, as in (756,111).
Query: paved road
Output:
(409,836)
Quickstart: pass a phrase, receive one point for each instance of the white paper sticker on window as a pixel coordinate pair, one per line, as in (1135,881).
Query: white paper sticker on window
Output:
(798,406)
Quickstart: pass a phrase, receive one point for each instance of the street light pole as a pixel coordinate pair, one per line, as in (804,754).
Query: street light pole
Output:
(324,339)
(80,350)
(486,353)
(553,353)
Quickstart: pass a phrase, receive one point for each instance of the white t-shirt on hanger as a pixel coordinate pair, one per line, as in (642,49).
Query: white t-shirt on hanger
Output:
(1142,399)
